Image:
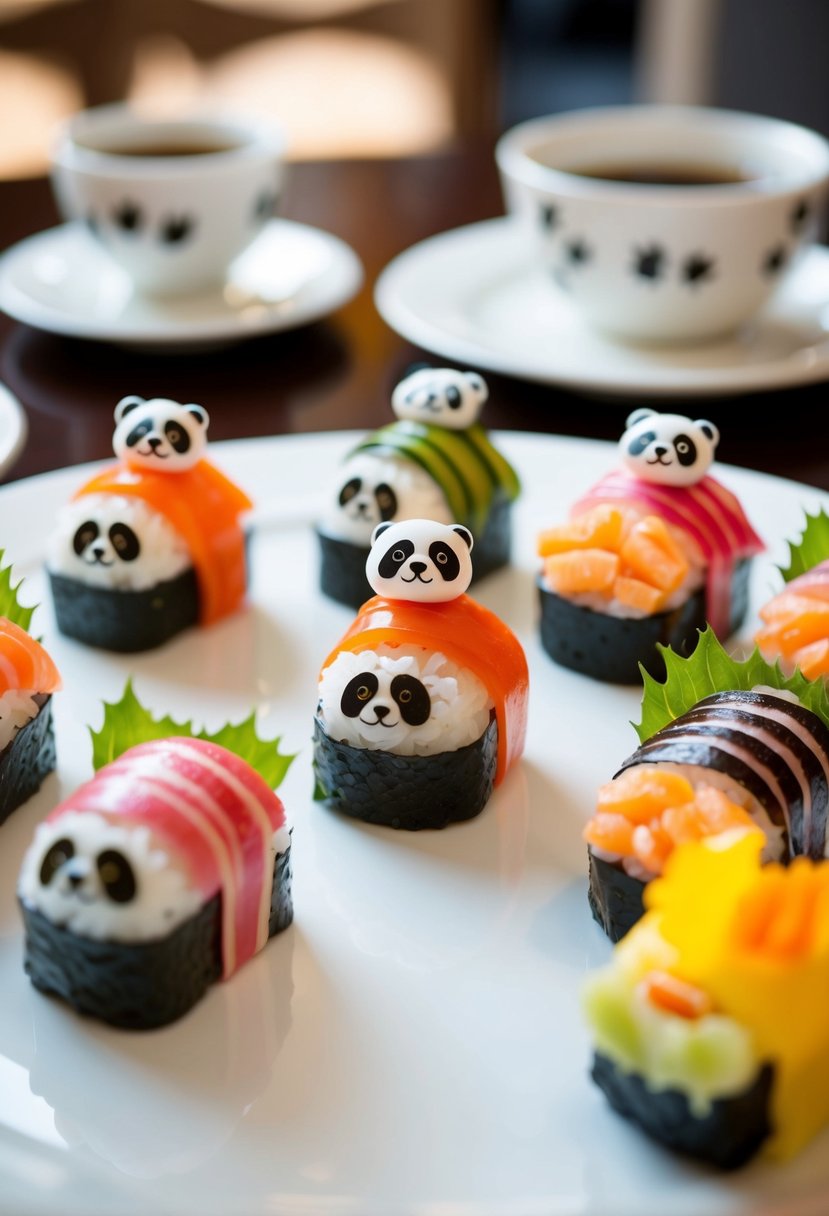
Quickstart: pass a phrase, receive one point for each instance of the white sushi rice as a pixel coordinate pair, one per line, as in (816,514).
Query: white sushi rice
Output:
(17,707)
(460,703)
(163,554)
(418,496)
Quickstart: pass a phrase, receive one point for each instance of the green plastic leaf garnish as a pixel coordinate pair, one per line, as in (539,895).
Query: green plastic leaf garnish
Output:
(813,546)
(10,606)
(128,722)
(711,669)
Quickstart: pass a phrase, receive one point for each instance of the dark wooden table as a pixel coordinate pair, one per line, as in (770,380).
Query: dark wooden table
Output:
(339,373)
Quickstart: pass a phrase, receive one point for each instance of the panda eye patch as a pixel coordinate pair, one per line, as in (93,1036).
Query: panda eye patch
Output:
(453,397)
(686,450)
(391,562)
(412,698)
(138,432)
(386,501)
(116,876)
(124,542)
(445,559)
(357,692)
(349,490)
(637,446)
(56,856)
(177,437)
(84,536)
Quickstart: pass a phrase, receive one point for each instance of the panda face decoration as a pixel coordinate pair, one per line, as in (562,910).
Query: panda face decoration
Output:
(376,488)
(159,434)
(443,396)
(421,560)
(668,449)
(105,880)
(109,540)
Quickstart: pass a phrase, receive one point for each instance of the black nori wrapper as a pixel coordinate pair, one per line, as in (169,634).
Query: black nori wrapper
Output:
(343,563)
(610,648)
(727,1136)
(411,792)
(125,621)
(615,898)
(143,985)
(27,760)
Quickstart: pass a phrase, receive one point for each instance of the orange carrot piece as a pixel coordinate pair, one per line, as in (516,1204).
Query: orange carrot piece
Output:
(581,570)
(677,996)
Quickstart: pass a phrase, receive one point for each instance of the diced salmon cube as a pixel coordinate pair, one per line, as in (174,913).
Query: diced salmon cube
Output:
(634,593)
(600,528)
(581,570)
(650,553)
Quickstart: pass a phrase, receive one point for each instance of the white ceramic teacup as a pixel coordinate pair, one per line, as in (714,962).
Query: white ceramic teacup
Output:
(656,262)
(173,202)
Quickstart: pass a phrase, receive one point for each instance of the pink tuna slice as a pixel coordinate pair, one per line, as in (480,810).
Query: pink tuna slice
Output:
(707,511)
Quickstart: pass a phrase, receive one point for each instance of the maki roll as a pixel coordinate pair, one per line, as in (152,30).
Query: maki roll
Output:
(434,462)
(709,1025)
(164,873)
(28,677)
(651,553)
(423,703)
(795,629)
(726,744)
(154,544)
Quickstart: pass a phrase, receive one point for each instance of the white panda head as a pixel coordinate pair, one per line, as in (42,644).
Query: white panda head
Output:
(443,396)
(668,449)
(420,559)
(376,488)
(110,540)
(159,434)
(105,880)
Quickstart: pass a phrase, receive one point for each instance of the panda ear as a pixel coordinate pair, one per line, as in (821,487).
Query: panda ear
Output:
(378,532)
(477,383)
(464,534)
(708,429)
(637,416)
(199,413)
(126,405)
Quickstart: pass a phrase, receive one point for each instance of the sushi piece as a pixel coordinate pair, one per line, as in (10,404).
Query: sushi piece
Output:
(726,745)
(154,544)
(435,462)
(423,703)
(650,554)
(28,677)
(709,1025)
(164,873)
(795,629)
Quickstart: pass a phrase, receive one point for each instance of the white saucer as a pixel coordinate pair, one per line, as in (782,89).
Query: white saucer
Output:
(13,429)
(61,281)
(478,295)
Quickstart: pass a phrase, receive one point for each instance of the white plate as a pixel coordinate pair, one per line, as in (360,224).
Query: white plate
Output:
(479,295)
(60,280)
(14,428)
(414,1043)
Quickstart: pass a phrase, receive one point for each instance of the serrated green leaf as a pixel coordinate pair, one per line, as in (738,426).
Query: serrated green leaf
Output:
(10,606)
(711,669)
(127,722)
(810,549)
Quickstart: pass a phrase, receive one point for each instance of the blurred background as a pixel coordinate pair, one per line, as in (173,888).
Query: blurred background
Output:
(382,78)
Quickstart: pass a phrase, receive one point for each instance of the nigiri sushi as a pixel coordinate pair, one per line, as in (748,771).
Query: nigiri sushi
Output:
(434,462)
(153,544)
(28,677)
(709,1025)
(651,553)
(165,872)
(726,745)
(423,703)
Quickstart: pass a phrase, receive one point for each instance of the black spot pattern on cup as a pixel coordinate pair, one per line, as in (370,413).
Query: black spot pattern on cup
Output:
(696,269)
(265,205)
(799,215)
(649,262)
(774,261)
(578,252)
(128,216)
(548,216)
(176,229)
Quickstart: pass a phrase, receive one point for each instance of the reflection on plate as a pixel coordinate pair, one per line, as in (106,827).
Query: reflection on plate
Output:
(13,430)
(61,281)
(413,1044)
(479,295)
